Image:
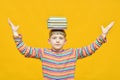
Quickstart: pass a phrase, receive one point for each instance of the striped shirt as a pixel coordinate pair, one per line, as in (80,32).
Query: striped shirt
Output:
(58,65)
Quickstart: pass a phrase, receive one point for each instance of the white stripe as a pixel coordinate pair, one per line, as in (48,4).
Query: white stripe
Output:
(57,21)
(52,24)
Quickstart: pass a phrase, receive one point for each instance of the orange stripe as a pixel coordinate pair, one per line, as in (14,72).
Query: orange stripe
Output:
(69,79)
(39,53)
(45,78)
(33,53)
(79,57)
(90,50)
(21,48)
(27,51)
(96,46)
(58,66)
(84,53)
(59,59)
(58,73)
(99,40)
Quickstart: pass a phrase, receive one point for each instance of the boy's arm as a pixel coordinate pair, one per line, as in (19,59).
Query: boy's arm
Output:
(90,49)
(27,51)
(23,48)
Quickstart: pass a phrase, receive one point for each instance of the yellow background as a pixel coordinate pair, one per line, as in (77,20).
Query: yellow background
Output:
(84,20)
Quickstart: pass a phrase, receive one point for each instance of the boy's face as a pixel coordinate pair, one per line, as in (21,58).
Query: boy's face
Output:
(57,41)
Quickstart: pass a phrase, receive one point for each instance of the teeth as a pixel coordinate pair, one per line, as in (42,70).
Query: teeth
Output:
(57,23)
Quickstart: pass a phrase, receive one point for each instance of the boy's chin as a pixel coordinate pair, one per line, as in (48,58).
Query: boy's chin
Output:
(57,49)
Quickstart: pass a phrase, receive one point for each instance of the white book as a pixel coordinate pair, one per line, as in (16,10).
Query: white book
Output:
(57,23)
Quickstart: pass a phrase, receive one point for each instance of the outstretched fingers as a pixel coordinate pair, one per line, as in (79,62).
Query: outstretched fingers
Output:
(110,25)
(10,23)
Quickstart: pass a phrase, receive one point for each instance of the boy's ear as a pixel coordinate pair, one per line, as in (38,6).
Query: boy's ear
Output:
(49,41)
(65,41)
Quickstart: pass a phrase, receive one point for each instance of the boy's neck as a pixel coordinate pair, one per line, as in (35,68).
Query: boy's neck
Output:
(57,50)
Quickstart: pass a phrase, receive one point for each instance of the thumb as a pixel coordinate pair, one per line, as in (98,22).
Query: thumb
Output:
(9,22)
(102,27)
(17,26)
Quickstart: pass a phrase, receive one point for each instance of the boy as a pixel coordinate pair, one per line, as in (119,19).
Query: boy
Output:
(57,63)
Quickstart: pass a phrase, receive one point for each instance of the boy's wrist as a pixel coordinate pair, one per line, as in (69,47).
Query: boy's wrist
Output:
(103,35)
(103,38)
(15,33)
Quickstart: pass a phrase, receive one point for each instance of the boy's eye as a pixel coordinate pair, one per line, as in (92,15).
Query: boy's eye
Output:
(61,38)
(53,37)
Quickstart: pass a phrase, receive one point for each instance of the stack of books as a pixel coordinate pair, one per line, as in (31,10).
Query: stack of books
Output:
(57,23)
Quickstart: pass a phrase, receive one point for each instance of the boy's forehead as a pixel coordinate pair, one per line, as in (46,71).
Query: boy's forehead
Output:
(57,35)
(56,32)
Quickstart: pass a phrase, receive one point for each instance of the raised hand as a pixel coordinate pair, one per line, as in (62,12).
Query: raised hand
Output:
(13,27)
(106,29)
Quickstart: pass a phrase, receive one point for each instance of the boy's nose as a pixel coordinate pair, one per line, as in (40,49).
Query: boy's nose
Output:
(57,41)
